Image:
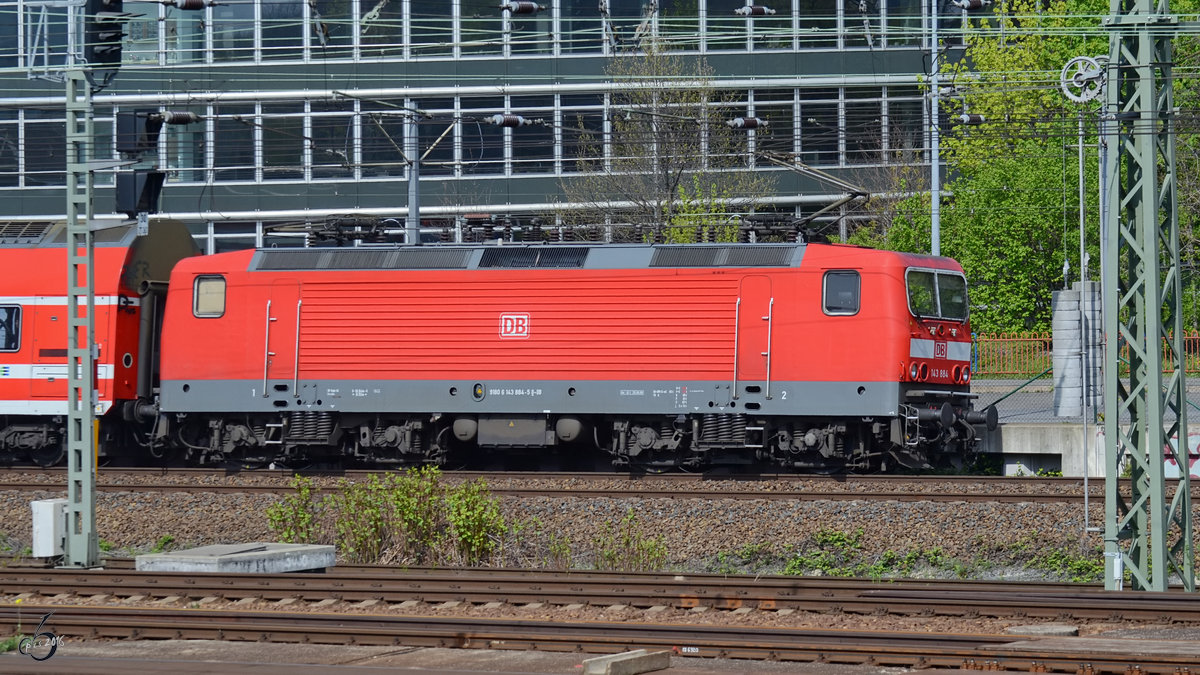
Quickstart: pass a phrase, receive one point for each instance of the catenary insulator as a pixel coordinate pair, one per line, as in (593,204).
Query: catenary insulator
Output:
(746,123)
(174,117)
(521,7)
(188,4)
(754,10)
(509,121)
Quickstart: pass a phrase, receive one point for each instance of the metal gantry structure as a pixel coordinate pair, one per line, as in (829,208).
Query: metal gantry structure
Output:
(1149,532)
(82,545)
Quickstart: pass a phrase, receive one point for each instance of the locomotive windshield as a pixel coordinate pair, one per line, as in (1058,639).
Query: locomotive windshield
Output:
(934,294)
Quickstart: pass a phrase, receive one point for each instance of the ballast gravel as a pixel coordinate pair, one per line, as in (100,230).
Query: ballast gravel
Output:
(986,540)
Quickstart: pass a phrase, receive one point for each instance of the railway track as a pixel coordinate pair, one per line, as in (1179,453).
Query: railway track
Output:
(583,485)
(386,586)
(427,591)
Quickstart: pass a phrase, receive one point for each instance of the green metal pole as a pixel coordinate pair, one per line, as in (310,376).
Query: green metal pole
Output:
(1147,535)
(82,546)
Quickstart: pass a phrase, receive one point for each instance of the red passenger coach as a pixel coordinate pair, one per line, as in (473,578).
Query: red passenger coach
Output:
(33,331)
(810,356)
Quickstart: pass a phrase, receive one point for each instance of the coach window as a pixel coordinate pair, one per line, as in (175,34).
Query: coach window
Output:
(209,297)
(841,291)
(10,328)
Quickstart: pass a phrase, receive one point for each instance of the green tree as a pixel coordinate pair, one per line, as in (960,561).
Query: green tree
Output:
(1187,166)
(666,153)
(1013,220)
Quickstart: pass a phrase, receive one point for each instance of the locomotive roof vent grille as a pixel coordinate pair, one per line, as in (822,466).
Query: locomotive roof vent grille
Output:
(289,259)
(22,232)
(534,257)
(722,256)
(432,258)
(362,259)
(353,259)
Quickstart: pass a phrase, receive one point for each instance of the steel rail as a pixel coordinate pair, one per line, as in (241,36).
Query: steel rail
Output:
(354,474)
(514,587)
(876,482)
(926,650)
(774,495)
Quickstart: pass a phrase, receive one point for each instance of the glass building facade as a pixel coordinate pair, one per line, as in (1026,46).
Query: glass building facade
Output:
(303,104)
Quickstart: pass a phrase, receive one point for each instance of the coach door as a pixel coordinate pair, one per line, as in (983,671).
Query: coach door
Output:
(280,370)
(754,317)
(48,352)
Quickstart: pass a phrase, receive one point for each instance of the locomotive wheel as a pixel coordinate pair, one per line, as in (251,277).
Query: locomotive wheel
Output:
(51,455)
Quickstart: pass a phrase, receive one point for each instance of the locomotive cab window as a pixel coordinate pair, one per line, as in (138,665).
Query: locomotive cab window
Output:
(936,294)
(841,292)
(10,328)
(208,297)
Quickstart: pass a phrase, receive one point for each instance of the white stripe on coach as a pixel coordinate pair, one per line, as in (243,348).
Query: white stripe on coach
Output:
(61,300)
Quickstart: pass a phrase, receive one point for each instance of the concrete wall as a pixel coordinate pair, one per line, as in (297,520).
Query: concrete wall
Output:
(1027,448)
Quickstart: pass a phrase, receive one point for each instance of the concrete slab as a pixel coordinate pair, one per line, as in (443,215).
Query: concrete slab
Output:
(1088,645)
(628,663)
(254,558)
(1044,630)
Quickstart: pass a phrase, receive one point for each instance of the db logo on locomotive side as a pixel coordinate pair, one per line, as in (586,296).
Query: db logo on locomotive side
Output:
(939,350)
(514,325)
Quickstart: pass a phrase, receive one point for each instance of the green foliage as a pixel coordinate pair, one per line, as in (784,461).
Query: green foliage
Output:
(625,547)
(701,214)
(105,546)
(749,558)
(295,519)
(984,464)
(476,520)
(410,516)
(1010,215)
(840,554)
(418,505)
(362,523)
(908,229)
(1085,568)
(10,643)
(164,542)
(668,160)
(560,556)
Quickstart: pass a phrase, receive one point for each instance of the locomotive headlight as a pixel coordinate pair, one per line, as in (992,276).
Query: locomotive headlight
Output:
(913,371)
(924,374)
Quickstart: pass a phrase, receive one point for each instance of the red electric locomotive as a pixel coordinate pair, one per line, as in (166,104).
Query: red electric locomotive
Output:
(809,356)
(33,333)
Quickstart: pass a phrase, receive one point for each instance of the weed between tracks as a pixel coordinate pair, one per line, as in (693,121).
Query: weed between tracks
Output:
(416,518)
(410,517)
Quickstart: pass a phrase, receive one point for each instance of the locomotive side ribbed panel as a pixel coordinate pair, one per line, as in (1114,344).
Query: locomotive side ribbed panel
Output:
(598,324)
